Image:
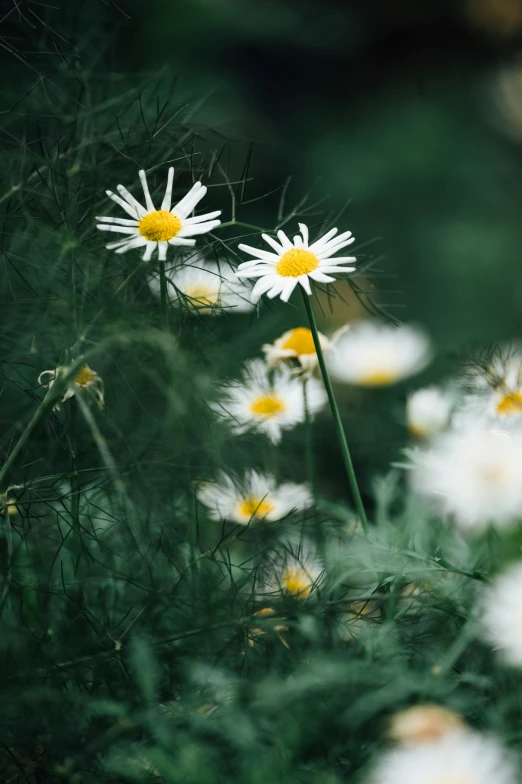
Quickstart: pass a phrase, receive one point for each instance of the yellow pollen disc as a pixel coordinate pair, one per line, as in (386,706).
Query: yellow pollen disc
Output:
(267,406)
(203,295)
(510,404)
(296,262)
(297,582)
(379,378)
(85,377)
(255,507)
(159,226)
(301,341)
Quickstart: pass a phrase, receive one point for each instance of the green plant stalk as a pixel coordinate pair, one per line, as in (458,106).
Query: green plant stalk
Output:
(163,295)
(343,443)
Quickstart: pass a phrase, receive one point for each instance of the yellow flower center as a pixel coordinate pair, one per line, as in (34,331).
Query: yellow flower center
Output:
(296,262)
(301,341)
(202,295)
(297,582)
(267,406)
(510,404)
(159,226)
(255,507)
(379,378)
(85,377)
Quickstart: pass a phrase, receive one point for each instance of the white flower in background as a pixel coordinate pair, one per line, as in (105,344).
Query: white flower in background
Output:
(371,354)
(474,474)
(280,270)
(422,723)
(297,345)
(206,288)
(295,573)
(152,228)
(501,614)
(257,497)
(428,412)
(86,379)
(359,616)
(268,405)
(460,757)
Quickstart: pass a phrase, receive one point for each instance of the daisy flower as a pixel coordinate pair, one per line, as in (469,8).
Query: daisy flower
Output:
(373,354)
(294,573)
(295,345)
(459,757)
(205,288)
(269,405)
(501,614)
(85,379)
(427,412)
(287,264)
(151,228)
(257,497)
(360,615)
(422,723)
(474,474)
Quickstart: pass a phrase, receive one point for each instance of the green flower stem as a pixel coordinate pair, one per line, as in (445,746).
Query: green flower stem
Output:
(163,295)
(336,416)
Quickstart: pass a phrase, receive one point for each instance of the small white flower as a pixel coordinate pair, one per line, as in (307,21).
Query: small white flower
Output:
(294,572)
(372,354)
(206,288)
(85,379)
(269,405)
(460,757)
(296,344)
(280,270)
(427,412)
(152,228)
(256,497)
(501,614)
(474,474)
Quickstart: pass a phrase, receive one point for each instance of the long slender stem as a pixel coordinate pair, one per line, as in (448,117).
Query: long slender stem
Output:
(336,416)
(163,295)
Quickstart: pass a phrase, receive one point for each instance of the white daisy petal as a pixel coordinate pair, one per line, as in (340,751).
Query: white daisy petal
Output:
(262,286)
(165,204)
(304,231)
(184,207)
(133,212)
(182,241)
(261,254)
(134,203)
(199,218)
(198,228)
(318,244)
(149,250)
(320,277)
(137,242)
(119,221)
(275,245)
(285,242)
(305,283)
(162,250)
(119,229)
(145,186)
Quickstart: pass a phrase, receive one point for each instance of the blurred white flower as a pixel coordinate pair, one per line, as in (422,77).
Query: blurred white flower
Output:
(205,288)
(269,405)
(371,354)
(296,344)
(501,614)
(256,497)
(422,723)
(474,474)
(460,757)
(85,379)
(427,412)
(152,228)
(294,572)
(280,270)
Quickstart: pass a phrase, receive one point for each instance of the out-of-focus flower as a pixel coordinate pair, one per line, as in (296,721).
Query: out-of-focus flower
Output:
(294,573)
(427,412)
(475,475)
(372,354)
(151,228)
(280,270)
(422,723)
(298,345)
(459,757)
(86,379)
(498,17)
(12,508)
(359,616)
(268,405)
(501,614)
(206,288)
(256,497)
